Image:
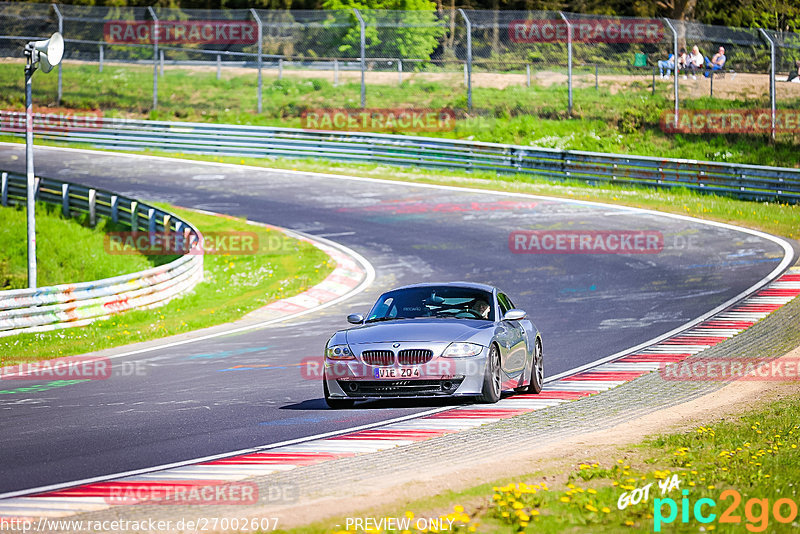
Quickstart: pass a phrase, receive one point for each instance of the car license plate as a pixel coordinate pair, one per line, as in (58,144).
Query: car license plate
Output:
(397,372)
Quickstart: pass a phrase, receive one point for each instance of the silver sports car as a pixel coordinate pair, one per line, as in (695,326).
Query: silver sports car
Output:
(430,340)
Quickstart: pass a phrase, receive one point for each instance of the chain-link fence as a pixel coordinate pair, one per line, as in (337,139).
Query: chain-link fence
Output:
(493,64)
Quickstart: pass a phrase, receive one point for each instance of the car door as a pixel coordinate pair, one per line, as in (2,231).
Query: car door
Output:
(513,338)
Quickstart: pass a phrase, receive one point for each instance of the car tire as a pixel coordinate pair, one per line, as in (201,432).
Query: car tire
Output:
(537,369)
(492,381)
(333,402)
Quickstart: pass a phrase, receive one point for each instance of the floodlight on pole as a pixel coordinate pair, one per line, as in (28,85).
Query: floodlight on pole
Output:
(45,54)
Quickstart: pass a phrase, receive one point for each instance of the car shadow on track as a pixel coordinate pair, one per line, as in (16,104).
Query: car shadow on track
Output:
(391,404)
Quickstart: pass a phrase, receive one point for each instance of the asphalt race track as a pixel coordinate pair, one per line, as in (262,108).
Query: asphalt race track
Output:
(244,390)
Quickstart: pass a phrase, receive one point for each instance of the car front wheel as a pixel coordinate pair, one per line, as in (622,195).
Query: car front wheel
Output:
(492,386)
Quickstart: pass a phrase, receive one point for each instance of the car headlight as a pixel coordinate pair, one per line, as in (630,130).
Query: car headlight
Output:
(462,350)
(339,352)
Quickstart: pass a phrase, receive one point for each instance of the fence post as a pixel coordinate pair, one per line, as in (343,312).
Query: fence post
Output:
(335,72)
(92,207)
(596,85)
(65,200)
(4,189)
(219,67)
(772,102)
(569,59)
(363,58)
(134,217)
(61,31)
(260,56)
(468,64)
(675,67)
(161,62)
(528,73)
(115,208)
(280,68)
(100,57)
(399,71)
(155,56)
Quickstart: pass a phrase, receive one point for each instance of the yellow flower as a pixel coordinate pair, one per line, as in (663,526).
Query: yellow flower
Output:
(410,514)
(591,490)
(591,508)
(606,510)
(458,508)
(564,499)
(518,506)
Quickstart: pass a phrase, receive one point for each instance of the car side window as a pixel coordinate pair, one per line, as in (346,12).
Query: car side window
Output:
(505,304)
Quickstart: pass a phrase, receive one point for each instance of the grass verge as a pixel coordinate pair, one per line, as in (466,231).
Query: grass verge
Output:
(607,119)
(233,285)
(85,259)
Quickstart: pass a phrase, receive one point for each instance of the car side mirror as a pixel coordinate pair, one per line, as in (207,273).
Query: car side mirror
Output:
(514,315)
(355,318)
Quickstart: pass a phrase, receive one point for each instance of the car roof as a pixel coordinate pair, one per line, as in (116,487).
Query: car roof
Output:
(469,285)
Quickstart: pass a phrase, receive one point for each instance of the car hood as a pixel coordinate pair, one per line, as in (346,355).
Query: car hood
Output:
(418,330)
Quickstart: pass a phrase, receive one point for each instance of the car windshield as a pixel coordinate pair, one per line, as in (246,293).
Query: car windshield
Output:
(433,301)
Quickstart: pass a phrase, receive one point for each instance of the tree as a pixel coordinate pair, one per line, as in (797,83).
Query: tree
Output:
(413,34)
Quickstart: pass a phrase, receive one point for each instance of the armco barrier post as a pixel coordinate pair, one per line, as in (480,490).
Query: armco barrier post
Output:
(260,56)
(154,33)
(363,28)
(4,189)
(675,66)
(468,64)
(65,200)
(569,61)
(61,31)
(115,208)
(92,207)
(771,78)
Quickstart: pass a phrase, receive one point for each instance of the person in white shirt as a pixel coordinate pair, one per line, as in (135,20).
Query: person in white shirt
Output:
(696,61)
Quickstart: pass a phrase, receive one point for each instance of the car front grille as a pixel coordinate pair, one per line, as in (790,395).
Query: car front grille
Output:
(378,357)
(399,388)
(414,356)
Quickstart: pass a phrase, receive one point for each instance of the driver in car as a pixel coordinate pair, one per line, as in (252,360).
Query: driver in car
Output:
(481,307)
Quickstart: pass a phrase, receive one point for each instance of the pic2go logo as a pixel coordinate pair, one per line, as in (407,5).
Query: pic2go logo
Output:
(756,511)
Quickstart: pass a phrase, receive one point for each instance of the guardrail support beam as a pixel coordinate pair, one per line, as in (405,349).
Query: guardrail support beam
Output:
(65,200)
(92,207)
(4,189)
(134,217)
(115,208)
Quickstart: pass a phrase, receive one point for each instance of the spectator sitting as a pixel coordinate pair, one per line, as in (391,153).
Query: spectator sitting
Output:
(715,63)
(667,65)
(682,63)
(794,76)
(695,61)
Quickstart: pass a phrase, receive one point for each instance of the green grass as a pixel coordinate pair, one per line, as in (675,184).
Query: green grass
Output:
(622,122)
(233,285)
(83,260)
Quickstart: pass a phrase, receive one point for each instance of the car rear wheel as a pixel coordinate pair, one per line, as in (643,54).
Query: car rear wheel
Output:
(537,369)
(492,383)
(333,402)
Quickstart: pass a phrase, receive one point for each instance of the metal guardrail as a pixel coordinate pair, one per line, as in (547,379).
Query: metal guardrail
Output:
(744,181)
(62,306)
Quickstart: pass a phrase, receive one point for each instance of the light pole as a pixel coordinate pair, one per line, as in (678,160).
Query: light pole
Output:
(46,54)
